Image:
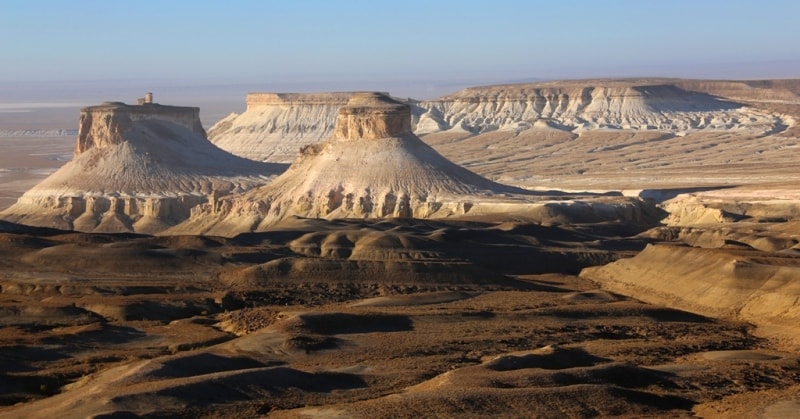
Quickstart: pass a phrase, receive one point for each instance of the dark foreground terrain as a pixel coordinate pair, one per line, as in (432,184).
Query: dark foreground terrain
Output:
(398,318)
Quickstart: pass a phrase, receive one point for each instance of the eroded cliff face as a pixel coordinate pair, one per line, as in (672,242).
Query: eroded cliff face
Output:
(781,91)
(370,116)
(585,105)
(108,124)
(136,168)
(275,126)
(375,167)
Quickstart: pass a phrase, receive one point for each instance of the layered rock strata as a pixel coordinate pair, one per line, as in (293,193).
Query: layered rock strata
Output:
(276,125)
(641,105)
(774,91)
(375,167)
(136,168)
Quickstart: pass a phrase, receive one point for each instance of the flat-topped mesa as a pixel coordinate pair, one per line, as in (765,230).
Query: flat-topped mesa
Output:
(775,91)
(665,105)
(374,166)
(107,124)
(139,168)
(276,125)
(370,116)
(257,100)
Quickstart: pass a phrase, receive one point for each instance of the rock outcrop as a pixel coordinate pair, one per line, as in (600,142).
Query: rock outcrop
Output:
(374,167)
(136,168)
(732,282)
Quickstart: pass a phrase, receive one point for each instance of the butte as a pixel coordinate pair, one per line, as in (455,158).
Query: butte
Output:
(136,168)
(374,166)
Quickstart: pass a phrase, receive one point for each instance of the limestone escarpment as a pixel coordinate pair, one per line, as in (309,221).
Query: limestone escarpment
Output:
(136,168)
(276,125)
(373,167)
(257,100)
(588,105)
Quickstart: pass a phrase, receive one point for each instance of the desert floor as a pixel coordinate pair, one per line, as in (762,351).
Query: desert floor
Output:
(211,327)
(26,161)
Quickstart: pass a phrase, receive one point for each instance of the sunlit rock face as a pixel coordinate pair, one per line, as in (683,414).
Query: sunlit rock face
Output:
(108,124)
(136,168)
(370,116)
(641,105)
(372,166)
(276,125)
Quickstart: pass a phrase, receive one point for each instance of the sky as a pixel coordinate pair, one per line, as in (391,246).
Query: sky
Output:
(410,48)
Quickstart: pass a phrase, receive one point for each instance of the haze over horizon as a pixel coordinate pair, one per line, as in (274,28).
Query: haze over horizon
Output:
(93,50)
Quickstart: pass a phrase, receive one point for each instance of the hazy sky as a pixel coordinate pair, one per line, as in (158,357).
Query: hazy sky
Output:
(325,45)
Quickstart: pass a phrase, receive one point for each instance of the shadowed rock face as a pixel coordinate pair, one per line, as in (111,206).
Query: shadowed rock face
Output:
(367,319)
(136,168)
(732,281)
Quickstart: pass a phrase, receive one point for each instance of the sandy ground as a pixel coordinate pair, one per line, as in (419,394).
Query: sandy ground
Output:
(623,160)
(26,161)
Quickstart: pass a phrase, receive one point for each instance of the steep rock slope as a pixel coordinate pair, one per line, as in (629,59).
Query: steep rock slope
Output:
(677,139)
(373,167)
(588,105)
(136,168)
(781,90)
(276,125)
